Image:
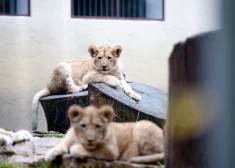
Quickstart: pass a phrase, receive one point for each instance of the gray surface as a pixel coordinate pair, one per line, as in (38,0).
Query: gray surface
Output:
(78,94)
(28,151)
(153,101)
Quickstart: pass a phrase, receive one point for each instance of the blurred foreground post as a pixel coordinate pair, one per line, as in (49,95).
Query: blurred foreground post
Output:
(191,98)
(214,145)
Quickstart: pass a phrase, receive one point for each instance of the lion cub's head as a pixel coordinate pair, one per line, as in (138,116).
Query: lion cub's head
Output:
(90,124)
(105,58)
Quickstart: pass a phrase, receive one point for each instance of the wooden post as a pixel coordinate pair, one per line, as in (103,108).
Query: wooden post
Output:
(153,104)
(55,108)
(188,124)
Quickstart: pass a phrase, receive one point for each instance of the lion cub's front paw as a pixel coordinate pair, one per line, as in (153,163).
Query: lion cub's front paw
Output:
(83,87)
(133,95)
(113,82)
(22,135)
(78,151)
(5,140)
(136,97)
(53,153)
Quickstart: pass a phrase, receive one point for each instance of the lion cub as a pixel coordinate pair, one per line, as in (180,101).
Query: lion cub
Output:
(92,134)
(105,67)
(8,138)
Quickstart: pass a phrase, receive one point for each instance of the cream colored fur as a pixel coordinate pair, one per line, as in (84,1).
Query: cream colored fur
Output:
(8,138)
(92,134)
(75,76)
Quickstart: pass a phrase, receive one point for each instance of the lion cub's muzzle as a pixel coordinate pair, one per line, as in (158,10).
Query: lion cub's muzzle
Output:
(104,69)
(90,145)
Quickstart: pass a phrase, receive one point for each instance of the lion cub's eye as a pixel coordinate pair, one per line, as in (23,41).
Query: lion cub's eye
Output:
(83,126)
(97,126)
(99,57)
(109,58)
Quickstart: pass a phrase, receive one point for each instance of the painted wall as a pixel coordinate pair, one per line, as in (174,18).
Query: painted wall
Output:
(30,47)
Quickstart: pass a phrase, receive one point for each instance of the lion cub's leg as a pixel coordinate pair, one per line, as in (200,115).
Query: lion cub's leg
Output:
(108,152)
(77,150)
(149,138)
(58,150)
(71,87)
(5,137)
(21,135)
(4,132)
(8,138)
(62,147)
(94,78)
(127,89)
(5,140)
(61,79)
(132,150)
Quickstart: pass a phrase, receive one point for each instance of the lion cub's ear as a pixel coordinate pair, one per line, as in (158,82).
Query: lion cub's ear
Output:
(117,51)
(92,50)
(106,113)
(74,113)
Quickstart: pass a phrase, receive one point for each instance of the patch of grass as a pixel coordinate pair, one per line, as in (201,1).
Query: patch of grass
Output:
(54,135)
(41,164)
(160,163)
(11,165)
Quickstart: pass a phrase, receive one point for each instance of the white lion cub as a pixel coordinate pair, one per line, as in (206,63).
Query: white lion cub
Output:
(105,67)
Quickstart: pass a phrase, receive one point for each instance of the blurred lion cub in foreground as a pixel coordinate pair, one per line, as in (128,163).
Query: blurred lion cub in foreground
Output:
(93,134)
(8,138)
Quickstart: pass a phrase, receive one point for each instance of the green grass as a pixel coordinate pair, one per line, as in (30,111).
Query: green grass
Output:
(160,163)
(54,135)
(41,164)
(11,165)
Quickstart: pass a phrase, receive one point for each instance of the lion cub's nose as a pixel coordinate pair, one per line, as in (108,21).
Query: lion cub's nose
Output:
(90,138)
(90,141)
(104,66)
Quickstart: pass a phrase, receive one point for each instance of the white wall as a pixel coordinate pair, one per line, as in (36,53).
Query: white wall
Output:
(30,47)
